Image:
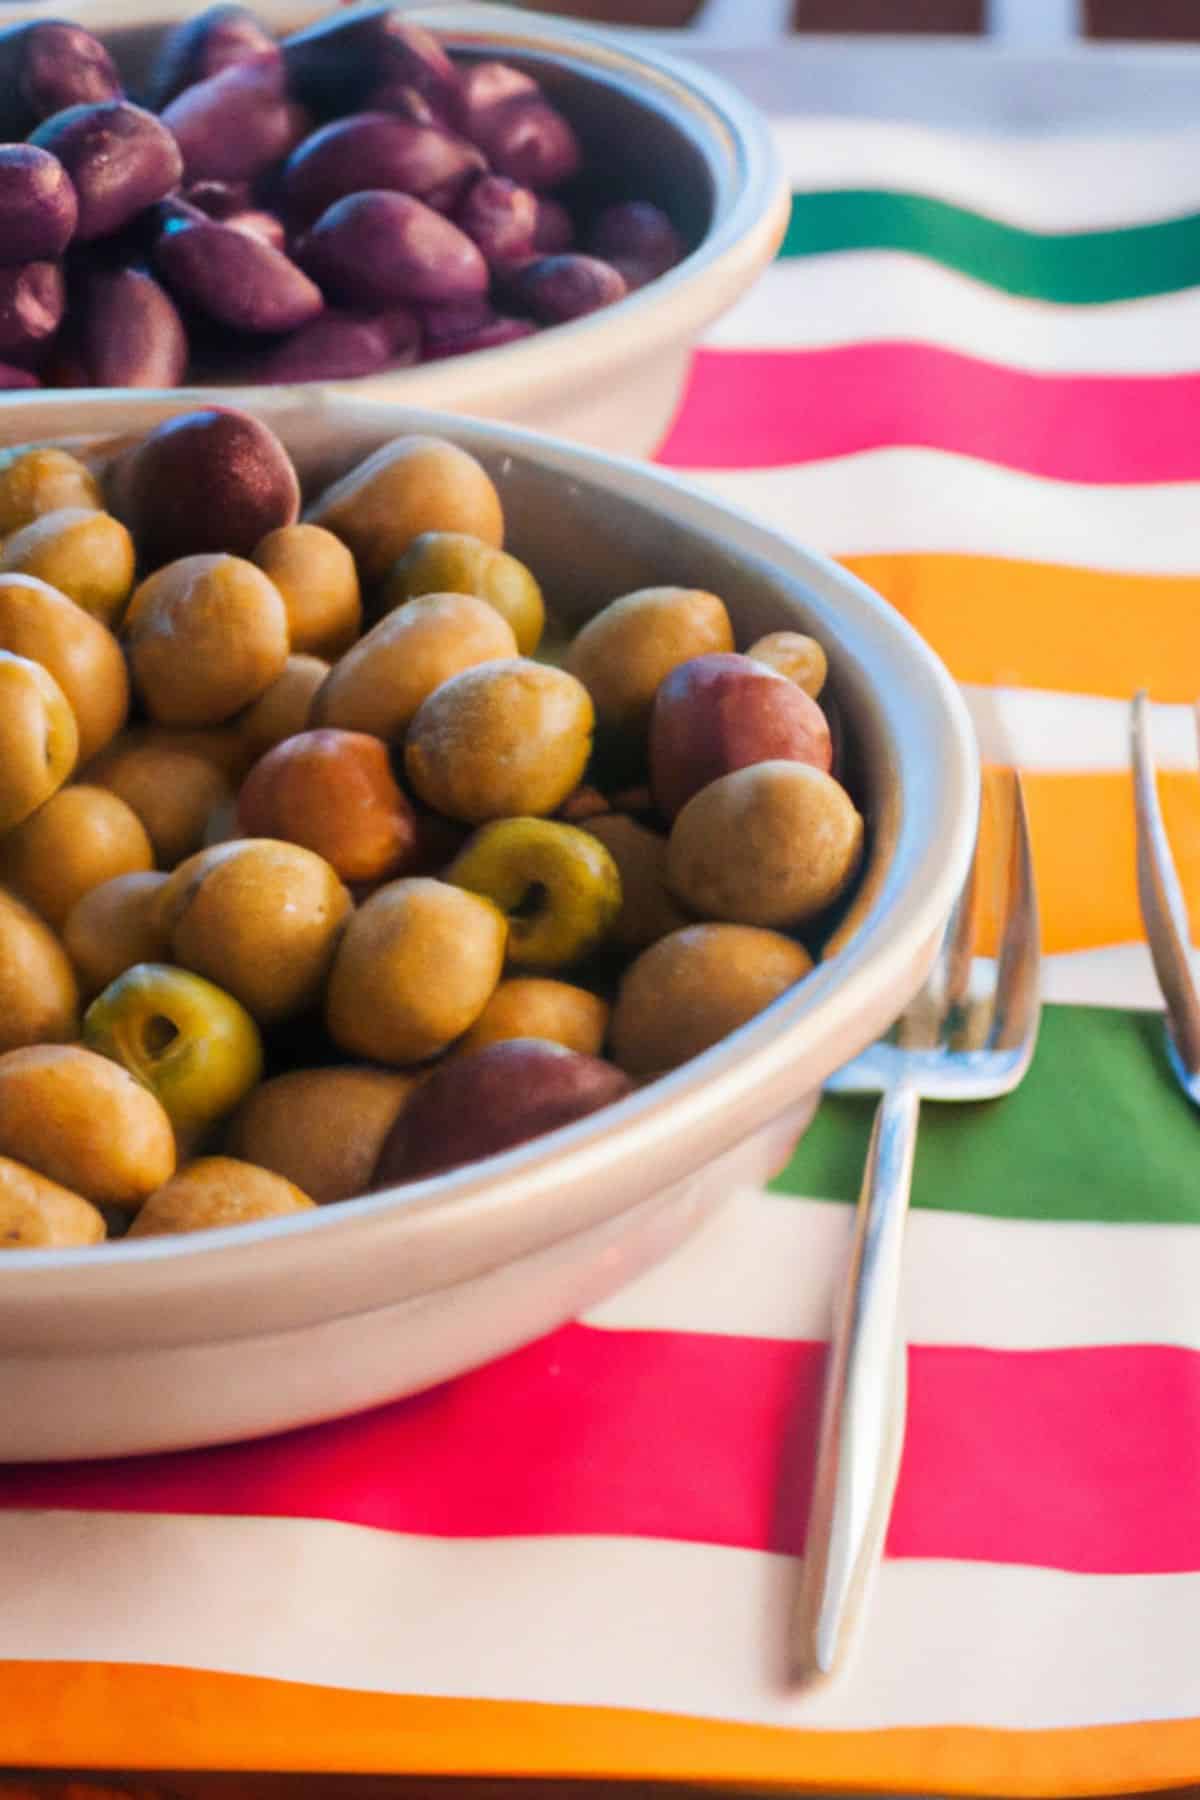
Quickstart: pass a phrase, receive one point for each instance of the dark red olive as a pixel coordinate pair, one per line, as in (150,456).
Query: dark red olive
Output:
(48,66)
(203,45)
(235,278)
(120,159)
(237,123)
(379,249)
(32,301)
(123,330)
(334,65)
(38,208)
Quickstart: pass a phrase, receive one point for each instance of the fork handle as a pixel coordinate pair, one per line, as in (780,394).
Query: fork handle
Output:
(862,1419)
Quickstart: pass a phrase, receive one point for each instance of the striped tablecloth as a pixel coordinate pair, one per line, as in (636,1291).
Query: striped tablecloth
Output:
(973,376)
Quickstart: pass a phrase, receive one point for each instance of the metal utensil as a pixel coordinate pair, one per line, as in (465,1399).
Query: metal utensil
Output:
(969,1035)
(1164,911)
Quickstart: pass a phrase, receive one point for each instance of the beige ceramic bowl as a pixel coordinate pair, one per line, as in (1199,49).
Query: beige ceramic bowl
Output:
(169,1342)
(686,139)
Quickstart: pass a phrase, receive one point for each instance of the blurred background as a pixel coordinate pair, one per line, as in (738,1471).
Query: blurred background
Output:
(1027,20)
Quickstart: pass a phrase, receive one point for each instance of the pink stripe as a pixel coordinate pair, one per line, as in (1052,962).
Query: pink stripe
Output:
(1075,1459)
(748,409)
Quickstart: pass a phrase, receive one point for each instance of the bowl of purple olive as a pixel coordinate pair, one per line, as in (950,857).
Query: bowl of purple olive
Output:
(463,207)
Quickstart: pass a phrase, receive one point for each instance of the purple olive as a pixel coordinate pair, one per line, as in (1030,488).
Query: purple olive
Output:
(634,274)
(490,1100)
(501,218)
(12,378)
(218,199)
(340,346)
(376,150)
(38,208)
(489,332)
(124,331)
(528,140)
(174,210)
(404,102)
(260,224)
(48,66)
(335,65)
(638,233)
(557,288)
(230,203)
(555,230)
(210,480)
(234,278)
(486,85)
(377,249)
(32,301)
(235,124)
(120,159)
(203,45)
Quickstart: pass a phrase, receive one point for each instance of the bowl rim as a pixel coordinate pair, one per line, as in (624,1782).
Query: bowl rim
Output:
(716,1099)
(751,203)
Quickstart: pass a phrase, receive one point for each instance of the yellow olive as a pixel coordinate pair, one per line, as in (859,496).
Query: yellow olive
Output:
(39,999)
(316,576)
(114,926)
(216,1191)
(772,844)
(39,740)
(189,1042)
(84,1122)
(794,655)
(38,481)
(411,485)
(557,886)
(36,1214)
(81,837)
(452,562)
(534,1006)
(260,918)
(693,988)
(505,738)
(86,555)
(415,968)
(321,1128)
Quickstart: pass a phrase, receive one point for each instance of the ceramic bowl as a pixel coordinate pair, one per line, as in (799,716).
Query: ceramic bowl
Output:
(681,136)
(162,1343)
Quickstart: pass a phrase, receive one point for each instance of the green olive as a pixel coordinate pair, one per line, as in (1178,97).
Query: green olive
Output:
(453,562)
(557,885)
(193,1045)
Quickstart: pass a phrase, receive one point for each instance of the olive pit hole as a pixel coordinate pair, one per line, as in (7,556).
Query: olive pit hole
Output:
(533,902)
(158,1034)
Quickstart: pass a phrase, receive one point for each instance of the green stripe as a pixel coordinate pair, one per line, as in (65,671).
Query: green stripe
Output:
(1080,268)
(1098,1130)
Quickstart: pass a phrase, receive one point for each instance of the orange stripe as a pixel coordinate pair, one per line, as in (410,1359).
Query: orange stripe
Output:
(1024,624)
(1083,849)
(101,1715)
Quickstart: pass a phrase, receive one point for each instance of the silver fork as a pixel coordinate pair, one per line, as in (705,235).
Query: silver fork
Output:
(1164,911)
(969,1035)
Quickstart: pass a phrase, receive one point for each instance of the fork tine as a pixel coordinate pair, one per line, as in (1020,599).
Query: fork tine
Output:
(959,950)
(1164,912)
(941,1001)
(1018,998)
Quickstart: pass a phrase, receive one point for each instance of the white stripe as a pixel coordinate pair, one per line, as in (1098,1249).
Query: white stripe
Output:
(1043,182)
(1119,975)
(648,1624)
(741,21)
(881,296)
(1075,733)
(767,1266)
(1033,24)
(899,500)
